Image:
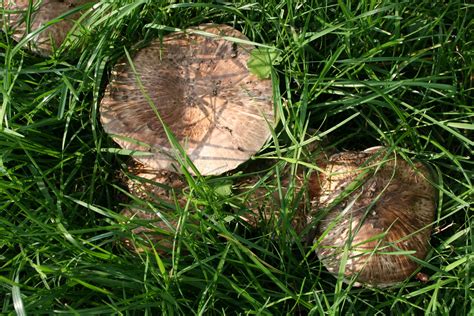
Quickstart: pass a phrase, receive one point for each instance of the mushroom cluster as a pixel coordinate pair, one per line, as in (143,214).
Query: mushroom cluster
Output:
(190,93)
(372,212)
(368,221)
(153,185)
(42,13)
(190,98)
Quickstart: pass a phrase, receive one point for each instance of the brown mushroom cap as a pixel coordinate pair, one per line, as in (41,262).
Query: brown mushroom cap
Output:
(260,194)
(389,211)
(219,112)
(261,197)
(262,204)
(159,232)
(43,12)
(154,186)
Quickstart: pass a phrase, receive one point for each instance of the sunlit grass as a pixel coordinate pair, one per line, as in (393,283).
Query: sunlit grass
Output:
(350,76)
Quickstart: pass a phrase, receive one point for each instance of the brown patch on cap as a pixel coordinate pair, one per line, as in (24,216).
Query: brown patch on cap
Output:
(390,209)
(46,11)
(218,111)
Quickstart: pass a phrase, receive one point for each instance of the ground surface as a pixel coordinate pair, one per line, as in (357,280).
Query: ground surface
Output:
(397,74)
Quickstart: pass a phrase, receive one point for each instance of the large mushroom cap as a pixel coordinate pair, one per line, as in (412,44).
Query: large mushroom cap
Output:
(389,211)
(219,112)
(43,12)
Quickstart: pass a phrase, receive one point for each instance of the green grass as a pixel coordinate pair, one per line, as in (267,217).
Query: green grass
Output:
(397,73)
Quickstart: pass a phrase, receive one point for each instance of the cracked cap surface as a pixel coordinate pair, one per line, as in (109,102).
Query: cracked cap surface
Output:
(219,112)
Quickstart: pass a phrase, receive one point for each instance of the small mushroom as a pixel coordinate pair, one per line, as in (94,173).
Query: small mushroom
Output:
(262,203)
(220,113)
(154,186)
(377,209)
(156,229)
(42,12)
(261,194)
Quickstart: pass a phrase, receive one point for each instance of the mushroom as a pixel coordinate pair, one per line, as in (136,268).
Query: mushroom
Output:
(262,203)
(220,113)
(154,185)
(42,12)
(261,194)
(151,185)
(156,229)
(377,210)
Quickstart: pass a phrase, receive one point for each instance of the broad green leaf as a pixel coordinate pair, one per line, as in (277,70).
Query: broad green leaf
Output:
(261,61)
